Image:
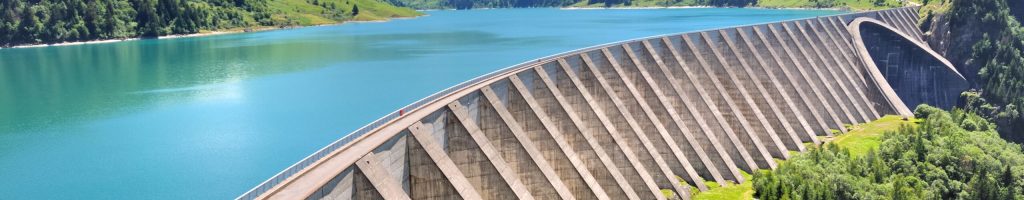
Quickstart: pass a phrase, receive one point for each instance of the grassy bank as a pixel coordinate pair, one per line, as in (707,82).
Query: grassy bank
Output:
(944,155)
(730,191)
(863,137)
(319,12)
(859,140)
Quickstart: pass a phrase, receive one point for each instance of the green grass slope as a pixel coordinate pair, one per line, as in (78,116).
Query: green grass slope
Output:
(310,12)
(866,136)
(858,140)
(731,191)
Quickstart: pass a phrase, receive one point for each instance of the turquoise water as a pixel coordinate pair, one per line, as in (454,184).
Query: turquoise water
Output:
(211,117)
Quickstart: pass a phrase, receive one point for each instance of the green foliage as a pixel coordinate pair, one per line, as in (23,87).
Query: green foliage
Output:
(863,137)
(730,191)
(986,43)
(941,158)
(53,21)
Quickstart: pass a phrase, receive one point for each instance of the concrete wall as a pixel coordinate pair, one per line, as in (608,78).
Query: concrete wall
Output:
(627,120)
(909,67)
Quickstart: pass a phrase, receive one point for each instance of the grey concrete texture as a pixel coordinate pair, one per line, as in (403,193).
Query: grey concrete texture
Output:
(628,120)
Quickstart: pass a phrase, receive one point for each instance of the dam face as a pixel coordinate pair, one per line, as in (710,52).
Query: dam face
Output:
(916,74)
(629,120)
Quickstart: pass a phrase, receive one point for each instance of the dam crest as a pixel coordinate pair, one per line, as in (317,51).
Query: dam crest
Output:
(638,118)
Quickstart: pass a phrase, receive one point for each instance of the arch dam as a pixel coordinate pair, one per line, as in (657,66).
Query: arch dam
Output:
(634,119)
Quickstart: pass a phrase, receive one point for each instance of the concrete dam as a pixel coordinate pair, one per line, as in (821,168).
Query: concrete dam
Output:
(634,119)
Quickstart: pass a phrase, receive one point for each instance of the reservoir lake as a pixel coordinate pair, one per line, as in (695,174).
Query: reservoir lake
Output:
(211,117)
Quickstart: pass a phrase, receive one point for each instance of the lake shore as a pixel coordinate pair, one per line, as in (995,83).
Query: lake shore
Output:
(201,34)
(689,7)
(272,28)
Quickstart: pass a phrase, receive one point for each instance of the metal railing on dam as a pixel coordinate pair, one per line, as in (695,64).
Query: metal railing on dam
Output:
(630,119)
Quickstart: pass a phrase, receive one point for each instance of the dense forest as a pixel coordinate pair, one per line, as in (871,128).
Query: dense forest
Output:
(985,41)
(53,21)
(950,155)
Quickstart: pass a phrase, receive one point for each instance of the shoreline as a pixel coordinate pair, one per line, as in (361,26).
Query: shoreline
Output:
(691,7)
(272,28)
(202,34)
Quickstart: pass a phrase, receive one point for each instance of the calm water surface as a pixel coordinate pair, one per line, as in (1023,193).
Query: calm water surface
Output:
(210,117)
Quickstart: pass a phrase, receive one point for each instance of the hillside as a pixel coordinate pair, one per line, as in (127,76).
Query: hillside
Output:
(468,4)
(54,21)
(943,155)
(984,40)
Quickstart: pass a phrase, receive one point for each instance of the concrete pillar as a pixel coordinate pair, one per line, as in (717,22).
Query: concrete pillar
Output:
(620,169)
(875,94)
(871,91)
(842,63)
(384,184)
(901,23)
(555,134)
(444,163)
(628,130)
(814,68)
(769,65)
(362,188)
(743,147)
(648,122)
(909,26)
(797,61)
(894,21)
(828,66)
(506,174)
(740,90)
(761,95)
(784,67)
(432,174)
(844,42)
(912,17)
(848,63)
(452,136)
(616,132)
(519,151)
(338,188)
(668,86)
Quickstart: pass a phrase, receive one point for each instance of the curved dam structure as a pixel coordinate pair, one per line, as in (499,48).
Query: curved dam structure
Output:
(636,119)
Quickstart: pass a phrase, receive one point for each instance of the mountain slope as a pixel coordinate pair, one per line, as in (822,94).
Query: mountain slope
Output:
(54,21)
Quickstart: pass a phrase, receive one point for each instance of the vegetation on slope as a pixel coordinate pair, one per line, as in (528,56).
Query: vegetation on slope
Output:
(53,21)
(860,140)
(730,191)
(863,137)
(949,155)
(985,41)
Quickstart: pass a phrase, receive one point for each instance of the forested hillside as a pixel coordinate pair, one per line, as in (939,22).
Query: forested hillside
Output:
(949,155)
(985,41)
(53,21)
(467,4)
